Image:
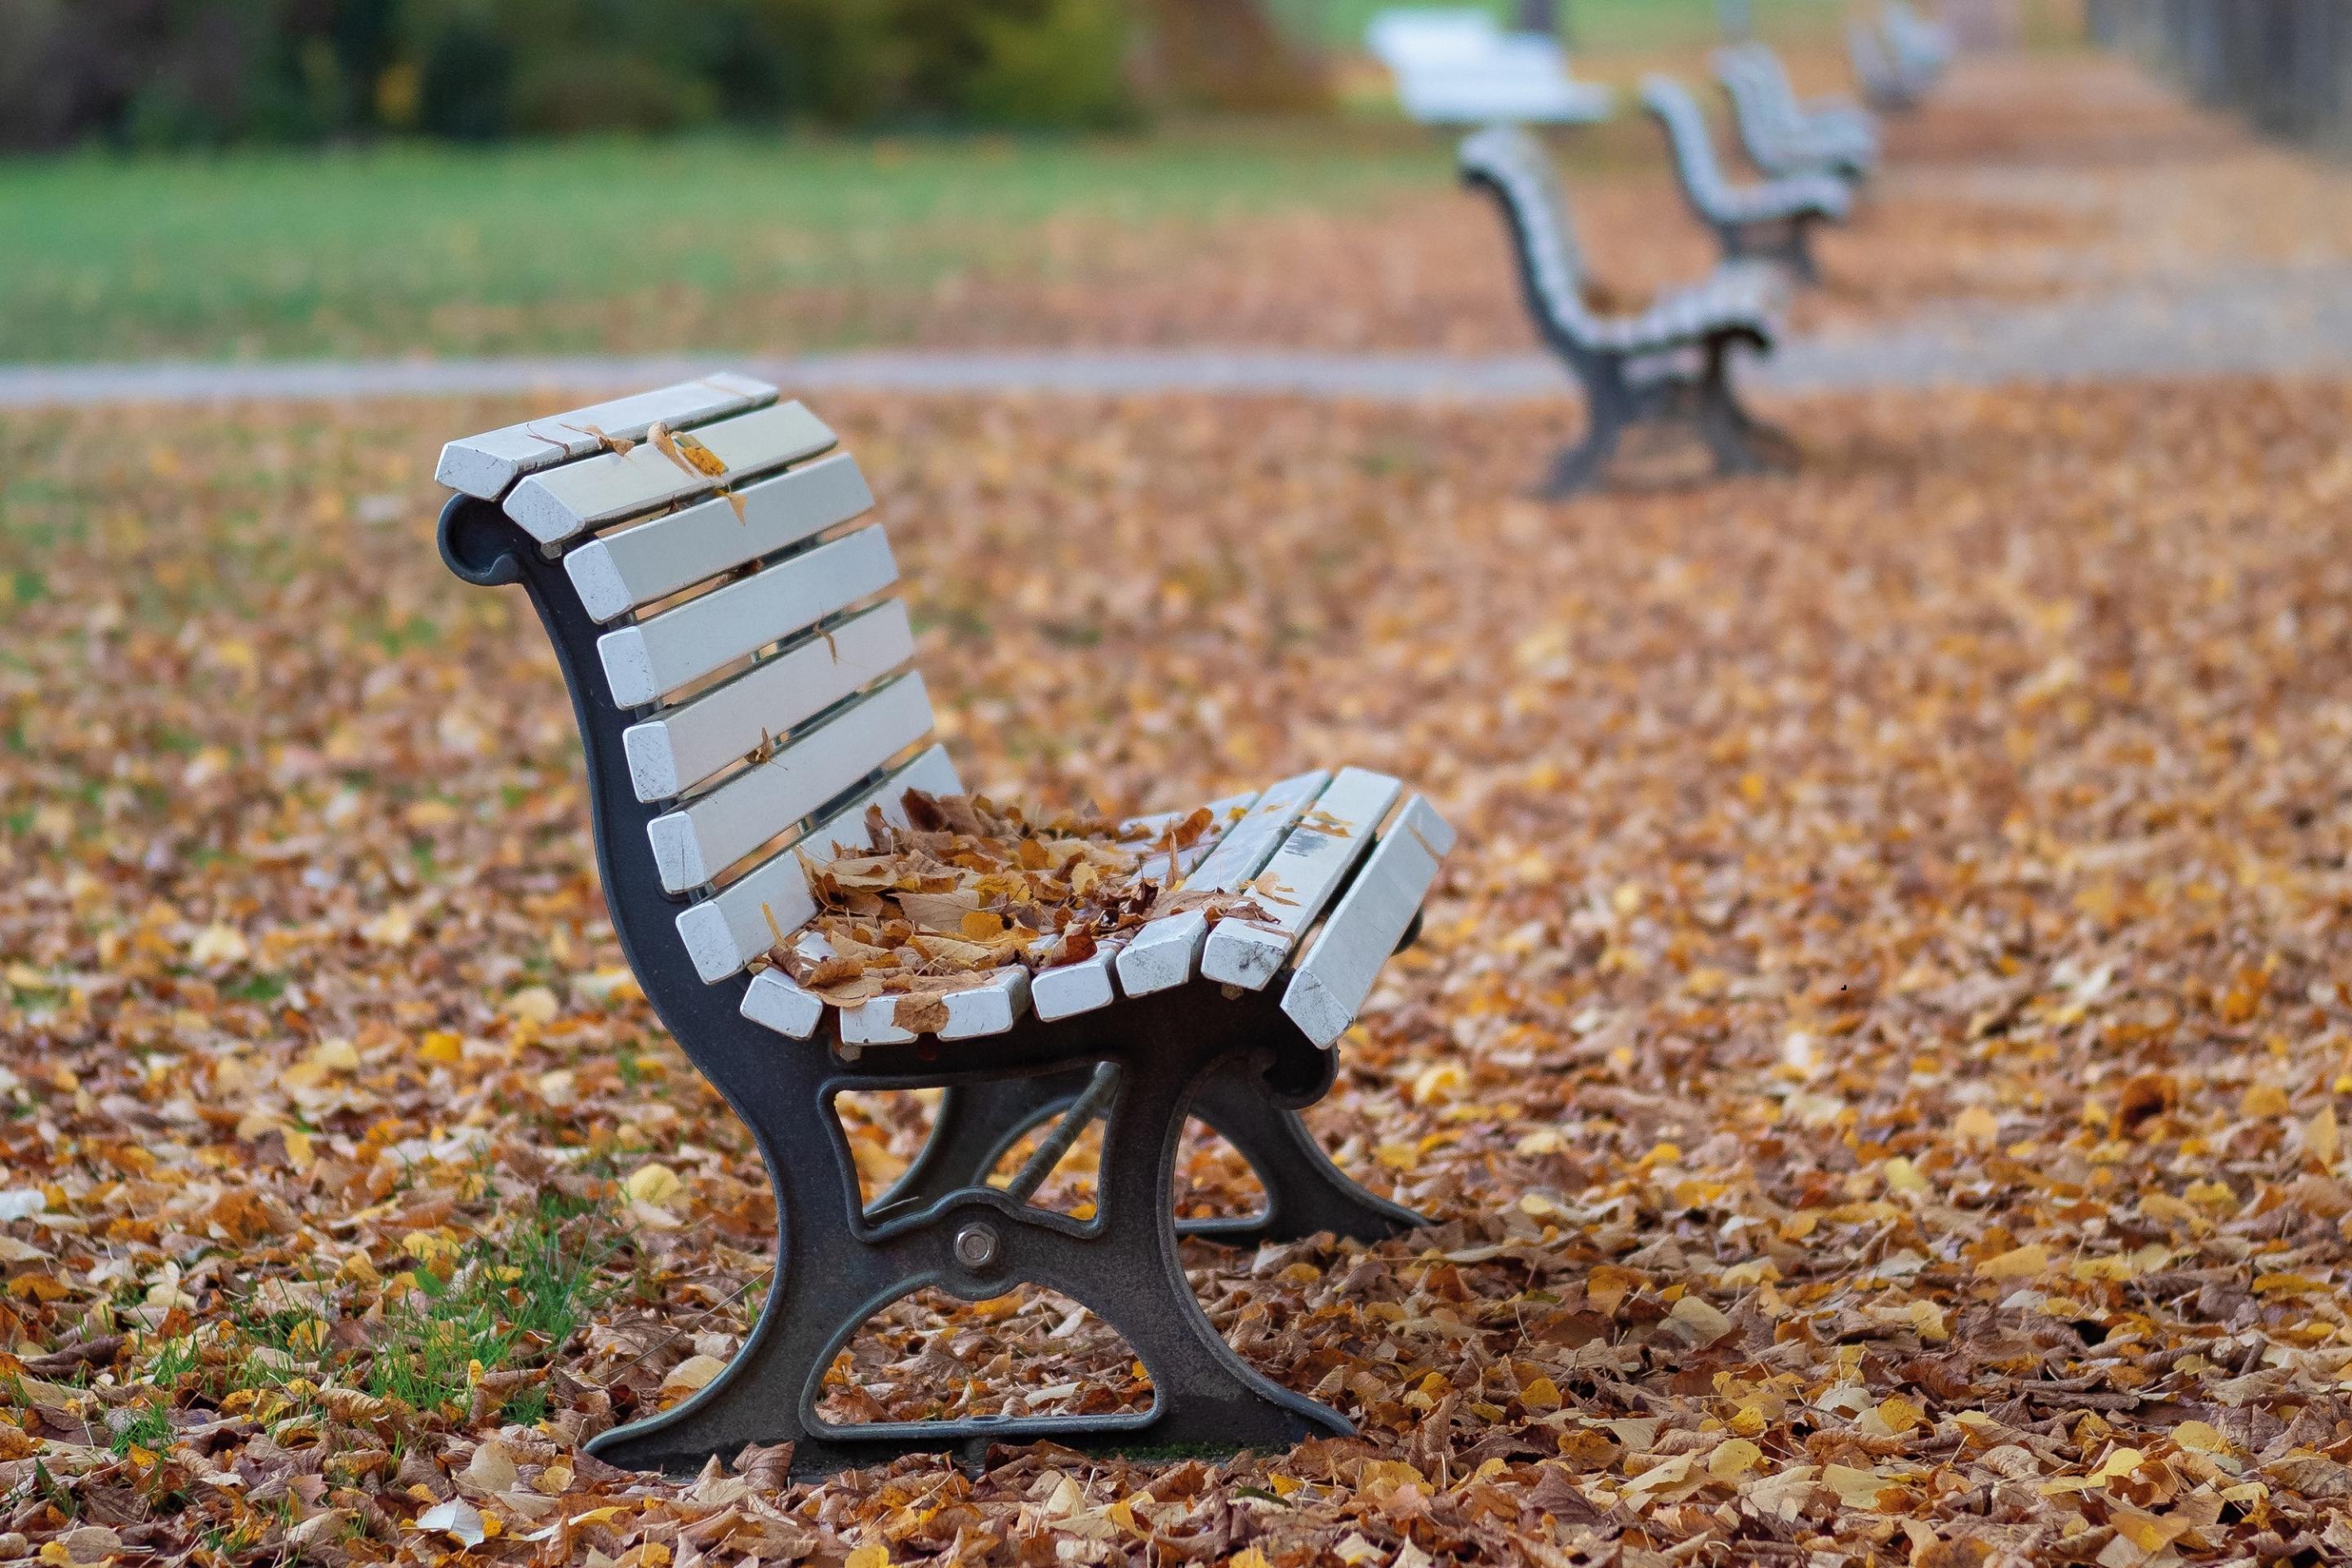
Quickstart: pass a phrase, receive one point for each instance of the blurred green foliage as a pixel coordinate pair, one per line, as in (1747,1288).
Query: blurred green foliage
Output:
(192,73)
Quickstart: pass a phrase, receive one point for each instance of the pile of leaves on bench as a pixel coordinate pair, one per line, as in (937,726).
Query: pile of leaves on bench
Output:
(971,887)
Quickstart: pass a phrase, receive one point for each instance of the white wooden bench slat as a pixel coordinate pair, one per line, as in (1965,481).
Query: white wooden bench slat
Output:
(555,505)
(989,1007)
(663,653)
(1067,990)
(1300,878)
(730,929)
(780,1004)
(617,572)
(1160,955)
(701,840)
(1340,965)
(484,466)
(672,753)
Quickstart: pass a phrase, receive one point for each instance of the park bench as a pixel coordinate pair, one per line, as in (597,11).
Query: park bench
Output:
(1784,136)
(1671,362)
(1886,86)
(1768,219)
(1454,66)
(739,675)
(1922,50)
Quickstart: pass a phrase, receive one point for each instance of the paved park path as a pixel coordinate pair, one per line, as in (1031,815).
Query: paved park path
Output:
(2274,322)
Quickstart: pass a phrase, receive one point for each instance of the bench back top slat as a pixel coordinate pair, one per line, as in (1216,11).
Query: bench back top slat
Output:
(1513,163)
(560,503)
(487,466)
(619,571)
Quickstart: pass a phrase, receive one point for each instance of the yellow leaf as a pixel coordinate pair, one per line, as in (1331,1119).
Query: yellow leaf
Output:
(980,925)
(441,1045)
(2264,1099)
(2201,1437)
(654,1183)
(2119,1465)
(1541,1394)
(695,1372)
(1608,1285)
(2211,1194)
(1698,1322)
(1927,1323)
(1854,1487)
(1904,1177)
(2025,1262)
(1434,1085)
(1899,1414)
(1977,1125)
(336,1055)
(218,944)
(2322,1137)
(532,1004)
(1733,1459)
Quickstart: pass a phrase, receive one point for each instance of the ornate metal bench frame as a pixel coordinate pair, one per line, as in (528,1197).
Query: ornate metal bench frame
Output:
(1231,1058)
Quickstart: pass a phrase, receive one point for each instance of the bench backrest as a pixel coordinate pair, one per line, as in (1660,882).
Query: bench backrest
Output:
(1761,97)
(753,636)
(1924,46)
(1687,133)
(1873,66)
(1512,164)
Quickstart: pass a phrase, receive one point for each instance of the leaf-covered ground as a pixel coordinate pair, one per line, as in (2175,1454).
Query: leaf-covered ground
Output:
(1875,1064)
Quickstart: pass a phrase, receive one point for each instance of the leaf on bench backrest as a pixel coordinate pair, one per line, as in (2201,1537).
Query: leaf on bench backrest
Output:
(487,464)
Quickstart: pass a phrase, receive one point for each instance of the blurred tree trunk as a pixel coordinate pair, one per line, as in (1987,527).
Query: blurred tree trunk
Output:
(1539,16)
(1227,54)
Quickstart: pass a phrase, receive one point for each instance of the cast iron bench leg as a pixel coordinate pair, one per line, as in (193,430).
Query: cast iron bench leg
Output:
(977,1243)
(1305,1192)
(1608,408)
(1741,443)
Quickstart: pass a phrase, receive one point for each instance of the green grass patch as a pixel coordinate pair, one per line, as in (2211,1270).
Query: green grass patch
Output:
(511,1300)
(594,244)
(149,1427)
(1588,25)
